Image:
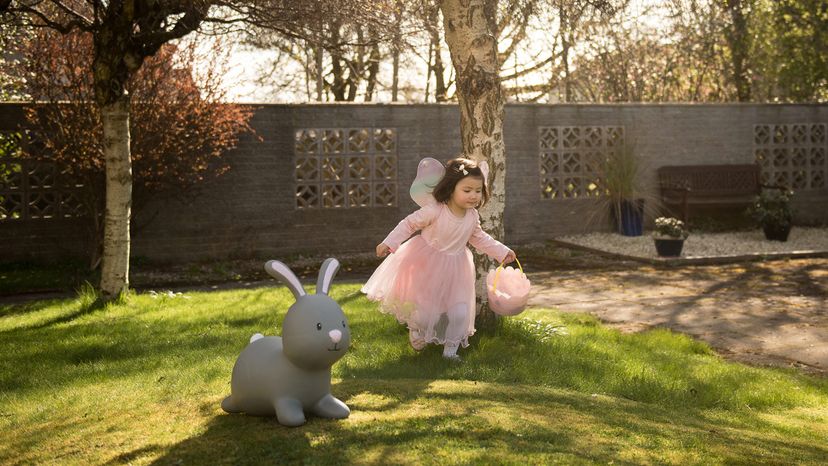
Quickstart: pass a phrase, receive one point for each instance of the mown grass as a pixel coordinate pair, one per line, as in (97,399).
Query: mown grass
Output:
(141,381)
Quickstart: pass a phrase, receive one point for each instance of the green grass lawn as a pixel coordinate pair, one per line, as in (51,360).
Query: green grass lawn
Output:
(141,381)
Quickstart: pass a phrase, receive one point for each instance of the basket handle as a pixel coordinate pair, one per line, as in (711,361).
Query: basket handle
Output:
(497,273)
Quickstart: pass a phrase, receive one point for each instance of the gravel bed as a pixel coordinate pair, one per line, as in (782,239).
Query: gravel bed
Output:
(708,244)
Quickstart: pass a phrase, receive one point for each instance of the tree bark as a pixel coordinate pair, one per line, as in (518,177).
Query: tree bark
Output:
(396,48)
(115,270)
(320,76)
(338,84)
(373,71)
(470,27)
(737,37)
(440,91)
(395,79)
(114,62)
(565,44)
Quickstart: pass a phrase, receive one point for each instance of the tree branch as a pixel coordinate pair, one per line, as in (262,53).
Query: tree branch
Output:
(188,23)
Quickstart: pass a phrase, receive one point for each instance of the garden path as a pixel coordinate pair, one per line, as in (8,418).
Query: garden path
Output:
(765,313)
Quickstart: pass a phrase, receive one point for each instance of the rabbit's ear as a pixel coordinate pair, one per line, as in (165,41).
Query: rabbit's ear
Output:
(326,275)
(281,272)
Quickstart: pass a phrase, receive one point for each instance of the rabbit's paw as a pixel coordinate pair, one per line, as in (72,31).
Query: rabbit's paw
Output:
(289,412)
(228,405)
(331,407)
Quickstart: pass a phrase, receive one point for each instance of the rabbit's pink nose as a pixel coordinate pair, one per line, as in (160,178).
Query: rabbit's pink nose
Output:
(335,335)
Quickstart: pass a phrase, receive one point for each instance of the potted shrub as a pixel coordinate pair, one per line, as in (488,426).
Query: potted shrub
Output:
(772,211)
(669,236)
(621,174)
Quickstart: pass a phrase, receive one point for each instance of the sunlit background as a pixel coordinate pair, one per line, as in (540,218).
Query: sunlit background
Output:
(257,75)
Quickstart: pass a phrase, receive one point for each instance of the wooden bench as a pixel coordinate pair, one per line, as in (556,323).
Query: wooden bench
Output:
(709,186)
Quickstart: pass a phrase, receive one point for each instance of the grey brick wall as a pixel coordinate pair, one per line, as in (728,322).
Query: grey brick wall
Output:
(250,212)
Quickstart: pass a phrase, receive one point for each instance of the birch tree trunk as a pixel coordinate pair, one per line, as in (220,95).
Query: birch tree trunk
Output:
(114,62)
(115,267)
(470,27)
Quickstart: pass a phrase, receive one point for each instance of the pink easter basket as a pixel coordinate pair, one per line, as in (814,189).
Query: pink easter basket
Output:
(508,290)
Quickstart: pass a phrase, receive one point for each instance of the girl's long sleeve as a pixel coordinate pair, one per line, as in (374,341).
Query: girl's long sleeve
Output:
(416,221)
(488,245)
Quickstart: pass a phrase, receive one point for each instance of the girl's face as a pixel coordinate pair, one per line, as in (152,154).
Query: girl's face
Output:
(468,192)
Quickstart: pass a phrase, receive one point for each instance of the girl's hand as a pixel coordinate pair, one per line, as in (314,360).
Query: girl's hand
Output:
(382,250)
(510,257)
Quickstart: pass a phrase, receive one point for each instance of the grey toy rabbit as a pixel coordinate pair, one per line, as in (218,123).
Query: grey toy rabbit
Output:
(290,375)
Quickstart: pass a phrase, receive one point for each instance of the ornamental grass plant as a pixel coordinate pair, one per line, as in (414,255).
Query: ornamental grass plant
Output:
(620,185)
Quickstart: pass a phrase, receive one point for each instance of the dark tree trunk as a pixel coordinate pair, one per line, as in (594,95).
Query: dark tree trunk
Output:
(737,38)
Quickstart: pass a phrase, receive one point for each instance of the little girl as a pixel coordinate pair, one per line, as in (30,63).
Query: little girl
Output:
(428,282)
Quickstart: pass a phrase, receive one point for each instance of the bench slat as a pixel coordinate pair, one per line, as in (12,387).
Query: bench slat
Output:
(725,185)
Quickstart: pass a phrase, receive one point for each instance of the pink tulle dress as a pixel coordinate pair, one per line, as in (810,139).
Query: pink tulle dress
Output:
(428,282)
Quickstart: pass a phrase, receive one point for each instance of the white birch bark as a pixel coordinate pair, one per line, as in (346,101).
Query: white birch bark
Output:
(470,27)
(115,267)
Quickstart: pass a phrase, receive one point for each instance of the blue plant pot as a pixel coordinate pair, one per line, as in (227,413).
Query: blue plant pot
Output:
(632,218)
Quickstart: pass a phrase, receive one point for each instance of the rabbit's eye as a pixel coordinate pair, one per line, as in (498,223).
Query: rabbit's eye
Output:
(343,323)
(319,326)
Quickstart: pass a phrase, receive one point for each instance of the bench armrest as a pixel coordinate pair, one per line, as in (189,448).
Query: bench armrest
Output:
(676,194)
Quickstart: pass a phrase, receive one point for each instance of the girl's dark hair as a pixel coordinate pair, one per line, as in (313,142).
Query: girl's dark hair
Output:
(454,173)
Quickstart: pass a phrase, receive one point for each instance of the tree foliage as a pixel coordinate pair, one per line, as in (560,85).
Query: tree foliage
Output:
(577,50)
(180,128)
(11,84)
(124,34)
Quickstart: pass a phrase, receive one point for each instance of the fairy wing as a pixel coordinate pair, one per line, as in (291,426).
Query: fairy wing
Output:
(429,173)
(484,167)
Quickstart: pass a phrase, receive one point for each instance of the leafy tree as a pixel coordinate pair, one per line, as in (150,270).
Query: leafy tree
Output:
(11,84)
(124,34)
(179,131)
(791,50)
(738,40)
(338,49)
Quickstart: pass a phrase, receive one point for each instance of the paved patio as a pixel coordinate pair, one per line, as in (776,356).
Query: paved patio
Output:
(766,313)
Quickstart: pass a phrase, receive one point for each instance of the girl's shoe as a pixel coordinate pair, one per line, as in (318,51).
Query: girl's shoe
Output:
(453,358)
(416,340)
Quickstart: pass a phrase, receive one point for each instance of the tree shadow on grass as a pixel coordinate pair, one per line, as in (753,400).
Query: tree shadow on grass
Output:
(16,309)
(419,421)
(83,307)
